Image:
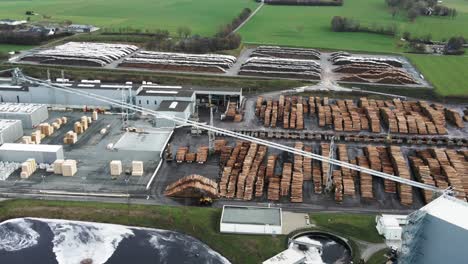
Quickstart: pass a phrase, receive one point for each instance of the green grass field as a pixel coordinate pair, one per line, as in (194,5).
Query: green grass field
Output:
(204,17)
(7,47)
(310,26)
(447,73)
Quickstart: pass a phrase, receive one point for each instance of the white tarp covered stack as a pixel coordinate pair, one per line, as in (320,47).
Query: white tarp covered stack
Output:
(116,167)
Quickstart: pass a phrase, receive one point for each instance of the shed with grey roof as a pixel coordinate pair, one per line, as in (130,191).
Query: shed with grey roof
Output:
(251,220)
(10,130)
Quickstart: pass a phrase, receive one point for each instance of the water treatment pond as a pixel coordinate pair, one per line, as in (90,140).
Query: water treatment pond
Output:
(27,240)
(333,249)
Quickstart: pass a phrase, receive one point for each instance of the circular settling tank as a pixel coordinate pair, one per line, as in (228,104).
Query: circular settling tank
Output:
(320,247)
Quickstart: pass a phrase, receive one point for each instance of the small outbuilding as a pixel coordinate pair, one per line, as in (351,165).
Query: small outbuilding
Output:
(251,220)
(14,152)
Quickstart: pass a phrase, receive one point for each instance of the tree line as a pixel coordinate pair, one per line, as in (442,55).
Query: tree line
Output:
(344,24)
(415,8)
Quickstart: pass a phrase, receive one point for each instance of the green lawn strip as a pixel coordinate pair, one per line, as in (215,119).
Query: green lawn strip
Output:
(378,257)
(204,17)
(446,73)
(357,226)
(5,48)
(202,223)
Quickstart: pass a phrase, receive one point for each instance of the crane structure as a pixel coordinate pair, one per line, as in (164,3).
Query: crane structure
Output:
(18,76)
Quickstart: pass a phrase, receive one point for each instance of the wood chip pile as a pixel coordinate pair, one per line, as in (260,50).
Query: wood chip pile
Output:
(192,186)
(82,54)
(214,63)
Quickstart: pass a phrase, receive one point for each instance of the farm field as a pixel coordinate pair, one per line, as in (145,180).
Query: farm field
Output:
(310,26)
(204,17)
(7,47)
(446,73)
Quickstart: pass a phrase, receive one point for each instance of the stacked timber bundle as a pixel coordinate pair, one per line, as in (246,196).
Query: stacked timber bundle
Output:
(366,179)
(70,138)
(28,168)
(312,106)
(307,165)
(224,181)
(156,60)
(254,171)
(274,188)
(284,52)
(231,187)
(231,111)
(260,182)
(180,154)
(461,166)
(225,154)
(69,168)
(296,187)
(246,166)
(454,117)
(270,170)
(399,165)
(46,129)
(192,186)
(422,174)
(317,177)
(279,67)
(387,167)
(347,179)
(190,157)
(325,147)
(374,158)
(372,115)
(300,117)
(219,144)
(436,116)
(258,105)
(202,154)
(36,137)
(338,183)
(390,119)
(454,180)
(286,179)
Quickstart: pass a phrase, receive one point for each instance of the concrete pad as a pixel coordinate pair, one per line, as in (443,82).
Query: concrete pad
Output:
(293,221)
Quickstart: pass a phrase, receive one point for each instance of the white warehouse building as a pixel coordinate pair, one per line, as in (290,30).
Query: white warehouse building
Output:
(15,152)
(10,130)
(29,114)
(251,220)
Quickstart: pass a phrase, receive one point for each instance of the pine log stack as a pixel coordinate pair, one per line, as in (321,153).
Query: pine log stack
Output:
(202,154)
(180,154)
(422,174)
(225,154)
(246,166)
(190,157)
(274,188)
(192,186)
(297,176)
(286,179)
(365,179)
(347,179)
(312,106)
(270,170)
(436,116)
(338,183)
(224,181)
(454,117)
(250,181)
(317,177)
(387,167)
(307,165)
(325,147)
(399,165)
(454,180)
(219,144)
(260,182)
(300,117)
(231,187)
(280,107)
(258,105)
(457,161)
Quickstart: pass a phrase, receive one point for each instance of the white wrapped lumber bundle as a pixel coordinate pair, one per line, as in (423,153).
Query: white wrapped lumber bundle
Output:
(82,54)
(78,128)
(422,174)
(286,179)
(180,154)
(454,117)
(260,182)
(284,52)
(28,168)
(338,184)
(115,167)
(46,129)
(202,154)
(454,180)
(274,188)
(137,168)
(224,181)
(180,61)
(399,165)
(366,179)
(387,167)
(69,168)
(192,186)
(325,147)
(307,165)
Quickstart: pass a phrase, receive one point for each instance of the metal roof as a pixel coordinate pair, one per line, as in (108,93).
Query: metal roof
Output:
(173,106)
(31,147)
(251,215)
(450,210)
(153,140)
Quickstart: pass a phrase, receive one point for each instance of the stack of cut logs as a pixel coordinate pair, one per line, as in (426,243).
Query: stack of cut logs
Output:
(347,179)
(366,179)
(180,154)
(454,117)
(288,111)
(297,176)
(202,154)
(399,165)
(192,186)
(232,113)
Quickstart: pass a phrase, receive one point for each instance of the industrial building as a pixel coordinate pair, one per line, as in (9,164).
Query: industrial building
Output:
(180,109)
(13,152)
(436,233)
(29,114)
(148,145)
(251,220)
(10,130)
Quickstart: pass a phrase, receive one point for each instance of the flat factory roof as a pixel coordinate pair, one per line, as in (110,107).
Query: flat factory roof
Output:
(251,215)
(30,147)
(153,140)
(19,108)
(6,123)
(450,210)
(173,106)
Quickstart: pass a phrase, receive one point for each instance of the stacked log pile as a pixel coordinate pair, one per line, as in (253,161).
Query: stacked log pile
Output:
(192,186)
(365,179)
(180,154)
(284,52)
(254,170)
(422,174)
(387,167)
(338,183)
(461,166)
(286,179)
(325,147)
(399,165)
(454,117)
(281,67)
(297,177)
(260,182)
(287,111)
(307,164)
